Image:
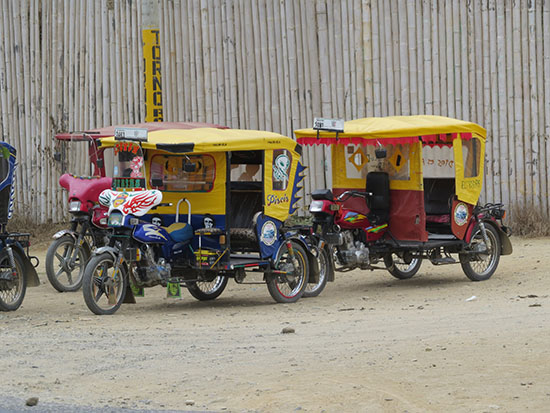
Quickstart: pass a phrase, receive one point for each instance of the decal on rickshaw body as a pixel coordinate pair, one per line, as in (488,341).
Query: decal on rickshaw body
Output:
(141,202)
(269,233)
(281,167)
(153,231)
(276,200)
(461,214)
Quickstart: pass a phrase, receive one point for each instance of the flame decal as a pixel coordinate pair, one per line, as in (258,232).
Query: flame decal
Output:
(141,202)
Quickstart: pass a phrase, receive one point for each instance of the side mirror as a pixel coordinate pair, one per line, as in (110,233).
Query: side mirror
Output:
(189,167)
(157,182)
(380,152)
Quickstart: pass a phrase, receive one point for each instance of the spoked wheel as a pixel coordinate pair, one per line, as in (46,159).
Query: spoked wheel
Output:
(289,287)
(482,262)
(314,289)
(104,287)
(13,284)
(64,273)
(208,290)
(397,266)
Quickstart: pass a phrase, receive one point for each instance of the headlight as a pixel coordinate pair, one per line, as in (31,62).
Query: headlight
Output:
(74,206)
(115,219)
(316,206)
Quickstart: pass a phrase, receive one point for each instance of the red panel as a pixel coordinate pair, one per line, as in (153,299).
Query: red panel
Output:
(407,216)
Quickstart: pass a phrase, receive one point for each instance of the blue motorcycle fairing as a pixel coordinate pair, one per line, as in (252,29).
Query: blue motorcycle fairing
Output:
(151,234)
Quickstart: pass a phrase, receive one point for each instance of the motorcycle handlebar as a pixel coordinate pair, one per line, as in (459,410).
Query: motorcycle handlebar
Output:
(348,194)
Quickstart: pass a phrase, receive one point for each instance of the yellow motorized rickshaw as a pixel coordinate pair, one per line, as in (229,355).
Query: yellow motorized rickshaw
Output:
(194,207)
(405,189)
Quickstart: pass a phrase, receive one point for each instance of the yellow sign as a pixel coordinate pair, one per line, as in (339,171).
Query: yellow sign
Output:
(153,89)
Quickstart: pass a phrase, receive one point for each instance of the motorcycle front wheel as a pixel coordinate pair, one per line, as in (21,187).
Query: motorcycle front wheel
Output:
(63,275)
(208,290)
(104,287)
(397,267)
(480,266)
(13,284)
(290,287)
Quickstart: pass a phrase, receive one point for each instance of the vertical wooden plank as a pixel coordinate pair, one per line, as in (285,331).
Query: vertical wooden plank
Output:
(274,66)
(371,56)
(378,65)
(546,94)
(518,106)
(436,79)
(264,81)
(220,84)
(398,18)
(501,138)
(427,101)
(511,147)
(533,104)
(387,91)
(280,41)
(526,104)
(539,96)
(412,54)
(487,98)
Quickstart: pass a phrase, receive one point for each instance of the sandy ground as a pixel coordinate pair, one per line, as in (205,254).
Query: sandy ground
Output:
(368,343)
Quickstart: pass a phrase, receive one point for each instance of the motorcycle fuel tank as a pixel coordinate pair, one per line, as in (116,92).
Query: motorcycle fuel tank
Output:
(149,233)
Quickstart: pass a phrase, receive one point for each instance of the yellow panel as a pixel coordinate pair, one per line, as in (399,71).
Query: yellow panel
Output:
(468,189)
(277,202)
(152,75)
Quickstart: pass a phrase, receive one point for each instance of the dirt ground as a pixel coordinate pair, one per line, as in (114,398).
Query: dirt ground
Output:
(369,342)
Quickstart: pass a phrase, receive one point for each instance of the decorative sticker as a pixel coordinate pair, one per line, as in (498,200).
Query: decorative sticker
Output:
(136,164)
(281,167)
(153,231)
(208,221)
(354,216)
(269,233)
(141,202)
(461,214)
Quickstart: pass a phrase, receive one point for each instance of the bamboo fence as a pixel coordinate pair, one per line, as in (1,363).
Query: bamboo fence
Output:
(275,65)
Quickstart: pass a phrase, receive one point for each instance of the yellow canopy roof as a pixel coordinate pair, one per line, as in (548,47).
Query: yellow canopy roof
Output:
(204,140)
(397,127)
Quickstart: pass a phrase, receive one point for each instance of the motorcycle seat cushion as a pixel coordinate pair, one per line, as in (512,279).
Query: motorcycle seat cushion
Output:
(180,231)
(320,194)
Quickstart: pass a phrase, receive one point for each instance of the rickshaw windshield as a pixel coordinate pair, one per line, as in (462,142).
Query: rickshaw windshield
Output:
(128,166)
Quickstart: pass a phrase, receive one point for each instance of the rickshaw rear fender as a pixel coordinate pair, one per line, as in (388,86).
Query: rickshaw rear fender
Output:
(505,244)
(330,269)
(30,272)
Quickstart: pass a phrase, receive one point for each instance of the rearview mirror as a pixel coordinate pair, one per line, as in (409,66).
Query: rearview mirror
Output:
(189,167)
(157,182)
(380,152)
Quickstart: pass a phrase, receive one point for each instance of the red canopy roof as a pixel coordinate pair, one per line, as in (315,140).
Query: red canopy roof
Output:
(150,126)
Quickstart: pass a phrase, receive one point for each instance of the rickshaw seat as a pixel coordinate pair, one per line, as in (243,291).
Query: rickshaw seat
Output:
(378,183)
(180,231)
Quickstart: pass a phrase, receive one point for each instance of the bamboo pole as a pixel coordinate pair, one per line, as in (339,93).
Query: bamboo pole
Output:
(526,105)
(532,98)
(518,106)
(405,59)
(370,65)
(272,41)
(501,138)
(262,59)
(542,168)
(377,64)
(387,91)
(220,83)
(546,91)
(282,66)
(510,106)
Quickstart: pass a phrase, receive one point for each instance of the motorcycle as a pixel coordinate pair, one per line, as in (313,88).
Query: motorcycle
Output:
(69,252)
(156,173)
(422,178)
(17,267)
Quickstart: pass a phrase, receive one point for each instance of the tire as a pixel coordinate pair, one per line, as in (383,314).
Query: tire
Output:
(400,269)
(95,283)
(289,288)
(208,290)
(62,276)
(12,292)
(481,266)
(314,289)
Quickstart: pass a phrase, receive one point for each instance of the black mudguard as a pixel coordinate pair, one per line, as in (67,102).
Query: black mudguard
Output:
(506,245)
(30,272)
(330,270)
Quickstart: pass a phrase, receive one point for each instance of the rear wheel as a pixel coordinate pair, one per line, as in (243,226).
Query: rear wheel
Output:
(103,287)
(208,290)
(399,268)
(13,284)
(63,274)
(481,263)
(314,289)
(289,287)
